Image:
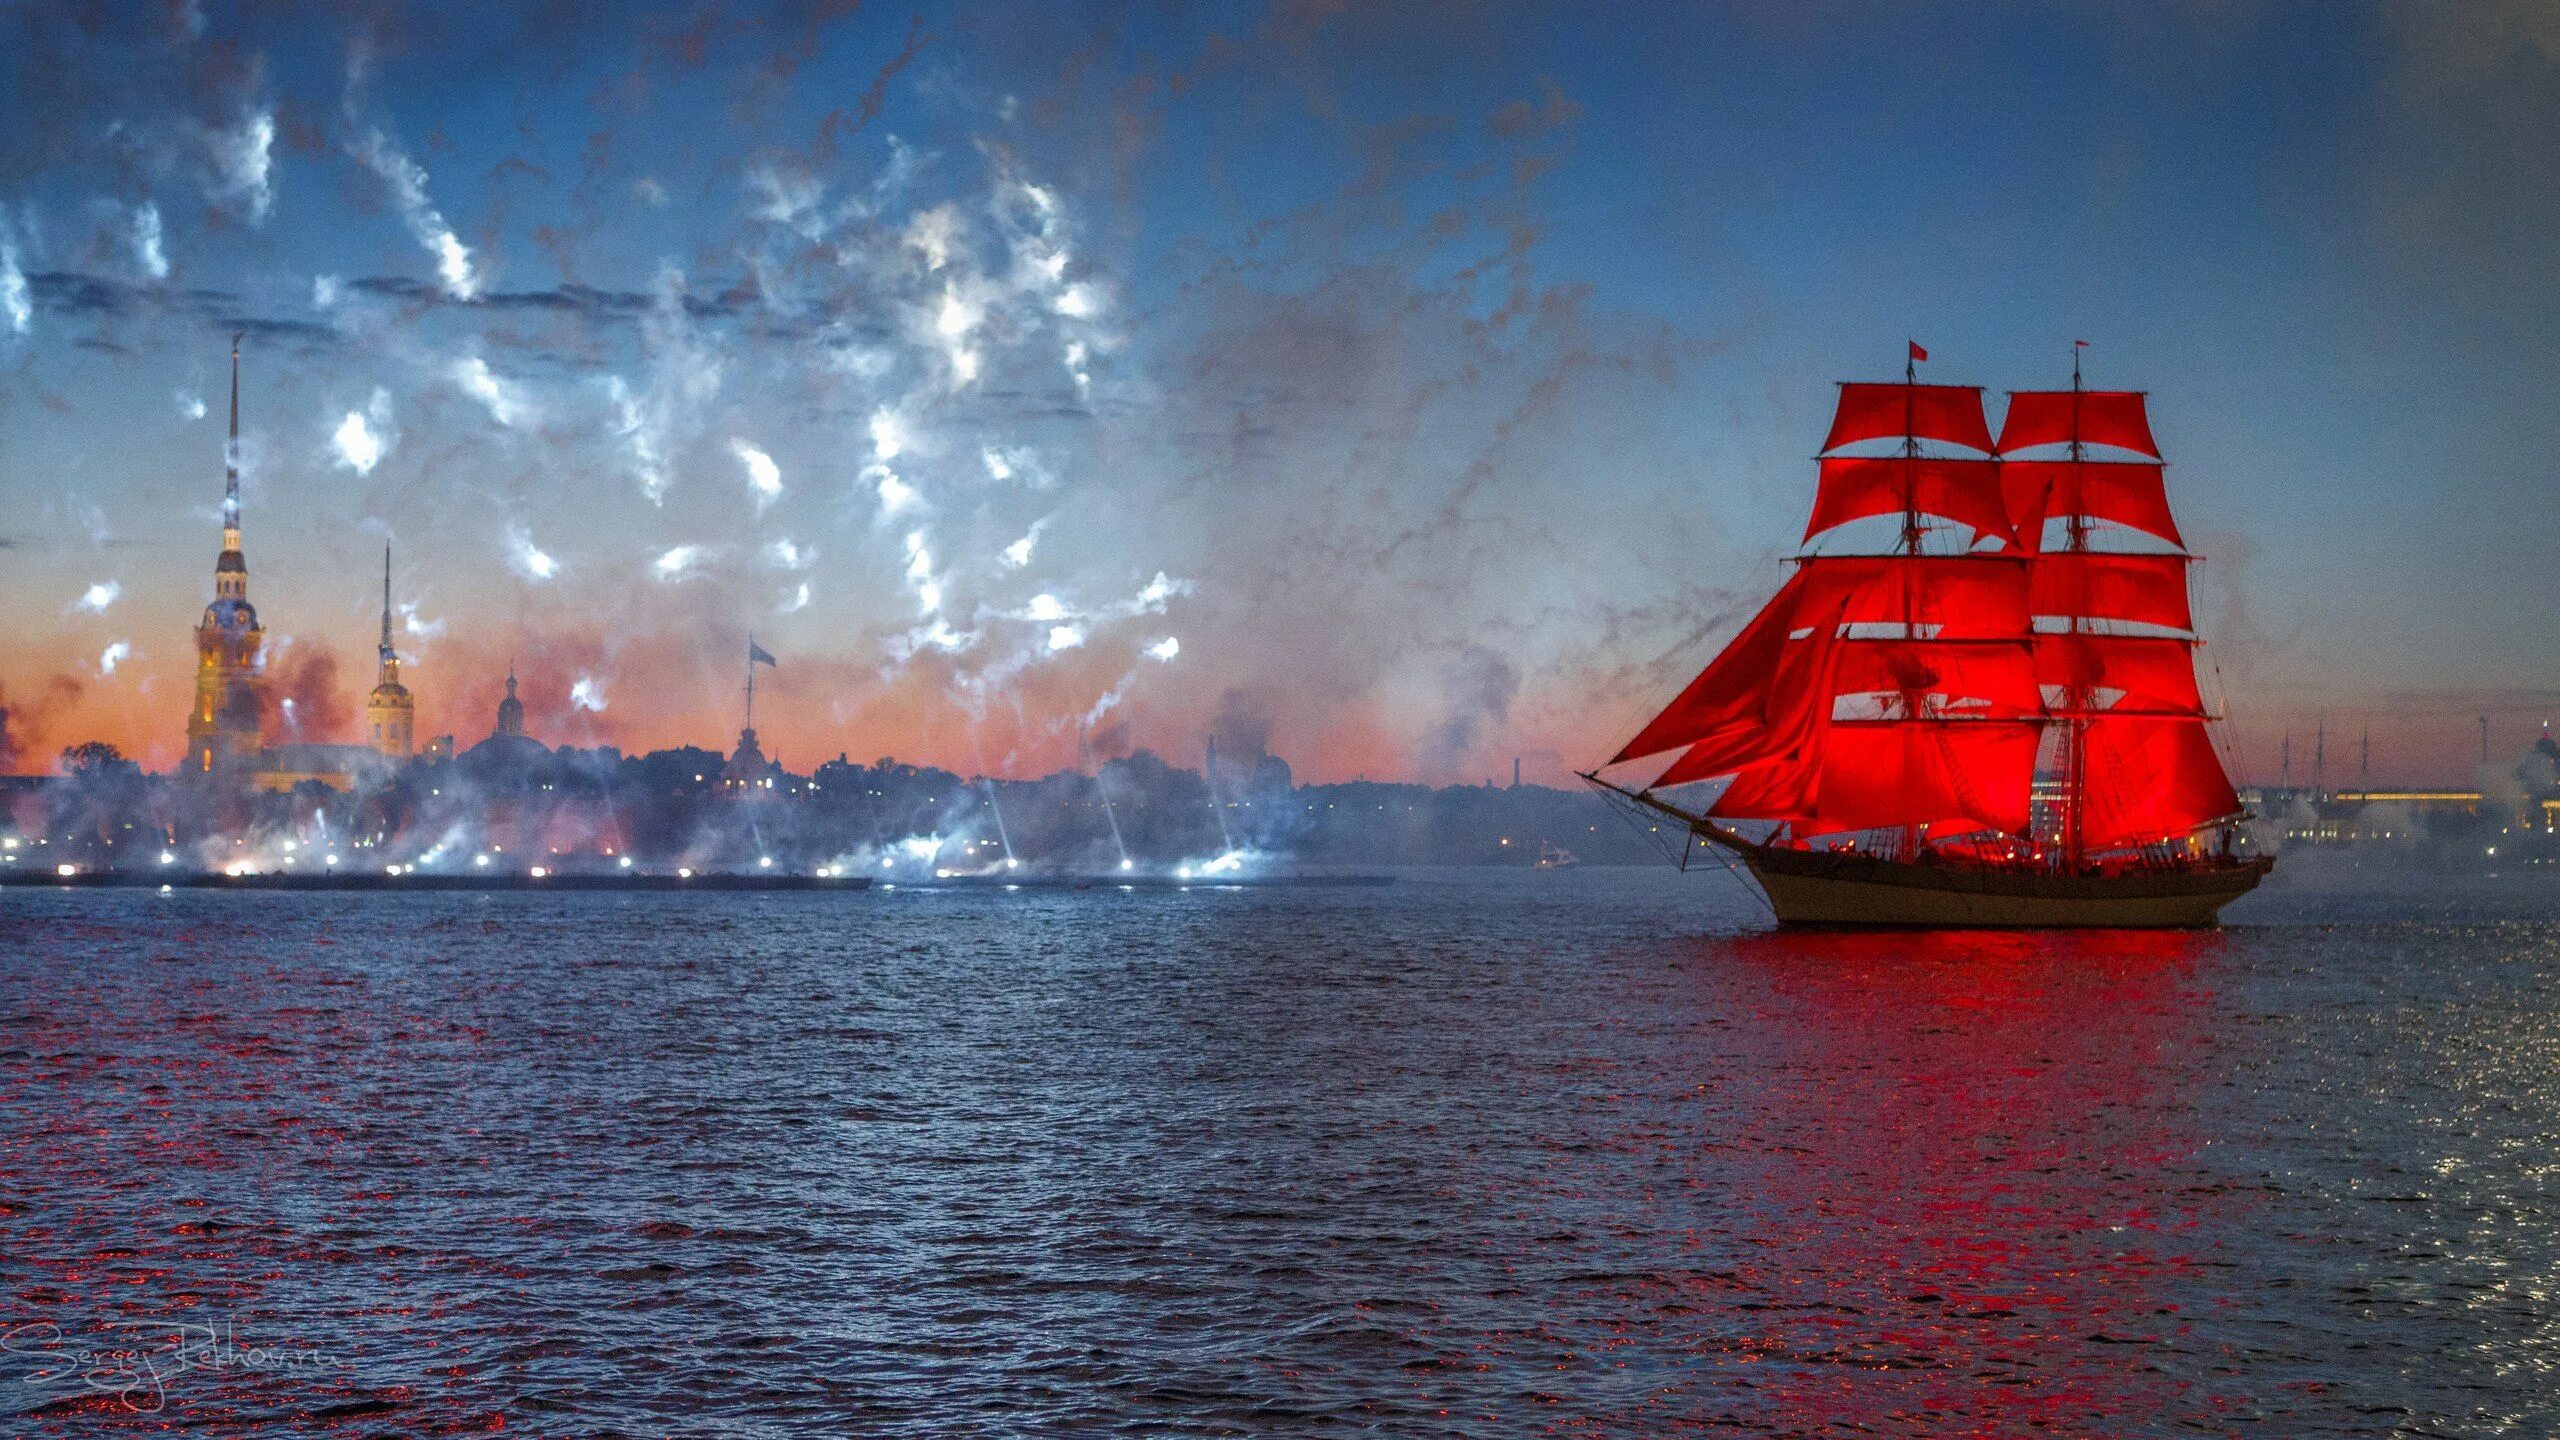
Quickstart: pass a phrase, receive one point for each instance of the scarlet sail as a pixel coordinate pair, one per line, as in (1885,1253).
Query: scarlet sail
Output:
(2149,780)
(1967,492)
(2134,495)
(2095,585)
(1948,413)
(2077,417)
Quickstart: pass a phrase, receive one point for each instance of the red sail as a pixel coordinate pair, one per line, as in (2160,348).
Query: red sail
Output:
(1733,687)
(2128,493)
(1795,706)
(2150,780)
(1971,677)
(1969,773)
(2154,676)
(2145,589)
(2093,417)
(1964,597)
(1952,413)
(1965,491)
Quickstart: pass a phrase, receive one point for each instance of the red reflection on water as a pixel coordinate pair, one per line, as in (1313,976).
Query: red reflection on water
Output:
(1980,1197)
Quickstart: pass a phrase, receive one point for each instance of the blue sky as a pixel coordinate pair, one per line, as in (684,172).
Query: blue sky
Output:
(1441,379)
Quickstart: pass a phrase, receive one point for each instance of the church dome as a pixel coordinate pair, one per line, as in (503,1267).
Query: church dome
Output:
(390,692)
(510,710)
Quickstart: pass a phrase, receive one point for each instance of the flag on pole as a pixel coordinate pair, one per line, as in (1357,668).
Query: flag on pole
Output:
(756,654)
(1917,353)
(2079,344)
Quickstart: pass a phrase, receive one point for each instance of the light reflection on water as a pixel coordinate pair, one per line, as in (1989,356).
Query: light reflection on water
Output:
(1474,1154)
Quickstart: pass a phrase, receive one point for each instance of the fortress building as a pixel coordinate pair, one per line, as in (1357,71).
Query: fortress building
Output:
(226,731)
(390,715)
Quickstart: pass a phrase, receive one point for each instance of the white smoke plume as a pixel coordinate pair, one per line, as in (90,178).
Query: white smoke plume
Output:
(190,404)
(686,378)
(244,162)
(677,562)
(587,694)
(527,559)
(504,399)
(17,303)
(763,476)
(114,655)
(148,250)
(96,598)
(408,182)
(365,436)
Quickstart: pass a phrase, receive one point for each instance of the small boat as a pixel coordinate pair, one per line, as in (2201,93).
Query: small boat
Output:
(1995,722)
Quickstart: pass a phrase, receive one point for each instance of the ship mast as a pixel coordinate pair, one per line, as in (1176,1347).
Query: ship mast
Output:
(1911,700)
(2075,734)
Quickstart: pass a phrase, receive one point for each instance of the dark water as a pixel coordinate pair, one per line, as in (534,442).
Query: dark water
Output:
(1480,1154)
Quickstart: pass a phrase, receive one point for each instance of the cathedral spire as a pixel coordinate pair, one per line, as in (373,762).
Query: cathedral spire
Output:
(386,602)
(231,568)
(231,460)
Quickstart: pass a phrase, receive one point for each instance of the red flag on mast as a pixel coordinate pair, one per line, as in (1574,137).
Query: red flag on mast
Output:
(1917,353)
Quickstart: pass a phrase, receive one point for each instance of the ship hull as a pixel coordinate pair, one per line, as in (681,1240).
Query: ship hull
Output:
(1814,888)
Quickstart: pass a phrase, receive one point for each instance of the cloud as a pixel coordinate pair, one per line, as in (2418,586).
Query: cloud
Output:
(1164,649)
(96,598)
(587,694)
(677,562)
(365,436)
(114,655)
(504,399)
(190,404)
(408,182)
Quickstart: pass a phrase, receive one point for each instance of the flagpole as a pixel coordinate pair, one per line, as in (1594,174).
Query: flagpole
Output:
(751,680)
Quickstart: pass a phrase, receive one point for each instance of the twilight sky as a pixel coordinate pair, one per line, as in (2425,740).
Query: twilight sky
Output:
(1402,386)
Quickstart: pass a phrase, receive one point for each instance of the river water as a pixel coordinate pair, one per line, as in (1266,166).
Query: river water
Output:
(1480,1153)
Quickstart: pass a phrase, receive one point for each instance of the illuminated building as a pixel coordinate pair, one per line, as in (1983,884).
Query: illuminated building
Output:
(390,714)
(226,728)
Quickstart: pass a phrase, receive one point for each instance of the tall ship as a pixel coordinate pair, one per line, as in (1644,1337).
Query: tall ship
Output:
(1992,719)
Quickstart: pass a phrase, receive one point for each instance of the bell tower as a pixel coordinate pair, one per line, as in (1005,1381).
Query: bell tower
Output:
(226,728)
(389,712)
